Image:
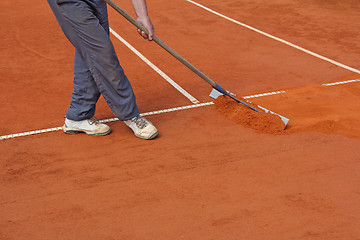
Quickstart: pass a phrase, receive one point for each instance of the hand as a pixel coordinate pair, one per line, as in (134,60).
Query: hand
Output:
(146,22)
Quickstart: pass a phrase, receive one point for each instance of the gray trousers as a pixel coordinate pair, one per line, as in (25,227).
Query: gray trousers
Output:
(96,67)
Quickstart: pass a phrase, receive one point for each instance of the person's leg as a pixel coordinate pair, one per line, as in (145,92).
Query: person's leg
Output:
(85,24)
(85,94)
(82,26)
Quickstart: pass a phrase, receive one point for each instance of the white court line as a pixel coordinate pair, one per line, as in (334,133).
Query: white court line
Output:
(29,133)
(162,111)
(263,94)
(161,73)
(343,82)
(277,39)
(106,120)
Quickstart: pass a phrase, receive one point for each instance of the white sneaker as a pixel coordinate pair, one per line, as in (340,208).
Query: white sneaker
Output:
(142,128)
(89,126)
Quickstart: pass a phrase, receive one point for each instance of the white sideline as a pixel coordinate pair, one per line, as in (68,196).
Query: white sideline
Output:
(343,82)
(264,94)
(161,73)
(163,111)
(106,120)
(277,39)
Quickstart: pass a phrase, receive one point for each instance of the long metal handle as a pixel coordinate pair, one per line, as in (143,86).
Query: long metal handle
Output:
(176,55)
(161,43)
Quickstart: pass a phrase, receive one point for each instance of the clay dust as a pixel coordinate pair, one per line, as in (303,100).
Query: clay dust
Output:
(241,114)
(315,108)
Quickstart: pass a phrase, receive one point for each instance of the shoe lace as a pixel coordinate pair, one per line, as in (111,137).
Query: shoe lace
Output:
(94,120)
(140,122)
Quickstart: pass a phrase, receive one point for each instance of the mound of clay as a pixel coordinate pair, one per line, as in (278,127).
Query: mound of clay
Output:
(239,113)
(330,109)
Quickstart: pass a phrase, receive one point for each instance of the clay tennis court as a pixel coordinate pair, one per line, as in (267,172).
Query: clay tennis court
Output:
(206,176)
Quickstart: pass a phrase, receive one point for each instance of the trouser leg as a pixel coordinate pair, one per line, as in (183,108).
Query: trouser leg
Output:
(85,94)
(81,21)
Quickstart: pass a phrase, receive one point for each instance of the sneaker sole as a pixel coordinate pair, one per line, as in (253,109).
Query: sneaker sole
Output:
(73,131)
(149,138)
(154,135)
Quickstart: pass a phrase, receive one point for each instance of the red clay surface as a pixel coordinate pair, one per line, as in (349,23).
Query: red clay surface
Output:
(255,118)
(205,177)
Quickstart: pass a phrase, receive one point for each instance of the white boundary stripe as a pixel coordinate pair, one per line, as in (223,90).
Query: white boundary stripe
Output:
(164,111)
(263,94)
(161,73)
(106,120)
(29,133)
(278,39)
(343,82)
(161,111)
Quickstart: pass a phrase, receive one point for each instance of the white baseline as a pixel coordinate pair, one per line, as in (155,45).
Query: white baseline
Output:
(34,132)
